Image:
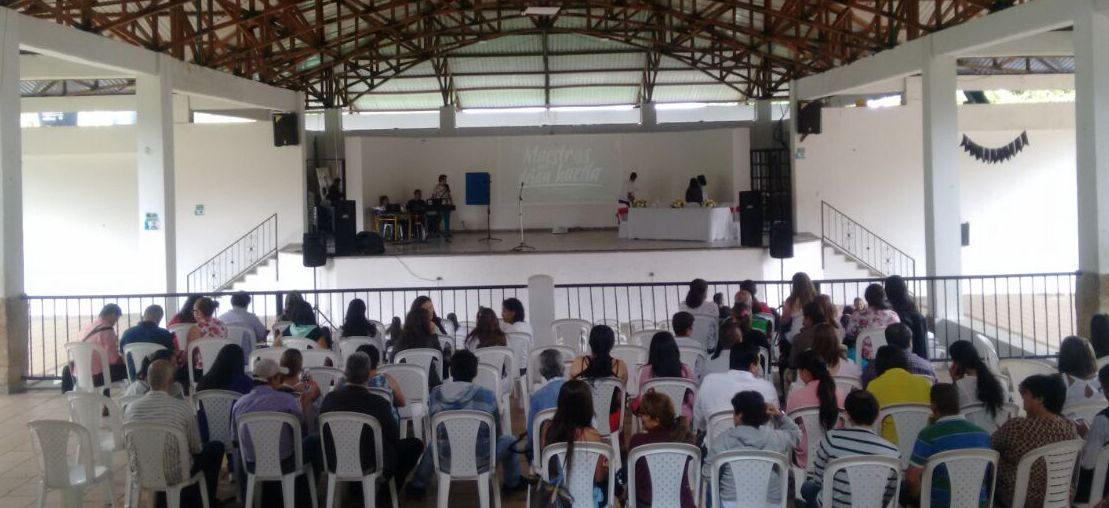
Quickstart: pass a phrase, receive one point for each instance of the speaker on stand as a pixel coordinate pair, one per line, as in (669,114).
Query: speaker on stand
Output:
(750,219)
(781,243)
(314,250)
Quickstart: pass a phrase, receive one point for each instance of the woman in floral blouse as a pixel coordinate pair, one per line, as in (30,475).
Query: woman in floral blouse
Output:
(877,314)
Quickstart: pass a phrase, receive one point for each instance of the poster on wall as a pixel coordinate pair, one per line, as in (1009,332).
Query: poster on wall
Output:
(150,223)
(581,169)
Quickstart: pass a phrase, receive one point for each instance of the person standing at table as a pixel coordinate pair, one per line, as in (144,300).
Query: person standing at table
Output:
(443,191)
(693,193)
(629,190)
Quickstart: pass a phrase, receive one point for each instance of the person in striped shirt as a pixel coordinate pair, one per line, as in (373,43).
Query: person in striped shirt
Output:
(857,438)
(949,431)
(158,406)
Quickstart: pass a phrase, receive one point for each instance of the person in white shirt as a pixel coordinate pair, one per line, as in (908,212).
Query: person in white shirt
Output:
(706,314)
(512,315)
(682,324)
(717,390)
(629,191)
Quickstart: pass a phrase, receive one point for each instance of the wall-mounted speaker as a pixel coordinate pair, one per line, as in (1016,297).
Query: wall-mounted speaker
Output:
(808,118)
(286,129)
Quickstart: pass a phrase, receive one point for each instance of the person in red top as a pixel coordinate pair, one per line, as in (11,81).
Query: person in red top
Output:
(662,425)
(101,332)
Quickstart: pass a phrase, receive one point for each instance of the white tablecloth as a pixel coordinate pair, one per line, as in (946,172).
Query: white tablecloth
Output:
(695,223)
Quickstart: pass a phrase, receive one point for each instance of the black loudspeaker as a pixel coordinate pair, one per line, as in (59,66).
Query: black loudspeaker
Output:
(781,240)
(750,219)
(286,129)
(346,226)
(808,121)
(368,243)
(315,250)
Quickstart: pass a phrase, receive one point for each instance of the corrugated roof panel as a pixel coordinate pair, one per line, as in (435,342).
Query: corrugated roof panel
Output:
(506,64)
(506,44)
(576,42)
(601,62)
(498,81)
(501,98)
(696,93)
(594,96)
(596,78)
(409,85)
(394,102)
(683,76)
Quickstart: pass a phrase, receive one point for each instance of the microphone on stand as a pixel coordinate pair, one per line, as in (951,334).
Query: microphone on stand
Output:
(523,244)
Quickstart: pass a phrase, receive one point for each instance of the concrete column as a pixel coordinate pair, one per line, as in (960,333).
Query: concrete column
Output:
(1091,79)
(762,133)
(541,308)
(942,238)
(156,213)
(447,124)
(332,146)
(648,115)
(13,330)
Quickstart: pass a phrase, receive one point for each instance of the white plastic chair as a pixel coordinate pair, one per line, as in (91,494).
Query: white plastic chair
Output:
(208,350)
(243,336)
(501,357)
(1086,411)
(1059,459)
(106,430)
(1097,483)
(461,428)
(412,381)
(541,418)
(808,419)
(604,392)
(272,353)
(752,473)
(667,463)
(848,384)
(520,343)
(980,416)
(986,349)
(349,345)
(1019,369)
(382,392)
(217,406)
(571,332)
(868,477)
(585,460)
(50,441)
(425,357)
(908,420)
(966,473)
(705,329)
(147,443)
(643,337)
(81,355)
(315,358)
(663,325)
(634,357)
(264,430)
(695,358)
(638,325)
(180,331)
(718,423)
(489,377)
(345,429)
(869,340)
(764,362)
(300,343)
(674,388)
(328,378)
(135,353)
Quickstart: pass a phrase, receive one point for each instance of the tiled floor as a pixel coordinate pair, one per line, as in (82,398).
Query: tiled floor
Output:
(19,469)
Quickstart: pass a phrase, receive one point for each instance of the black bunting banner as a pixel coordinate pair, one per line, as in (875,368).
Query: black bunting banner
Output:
(995,155)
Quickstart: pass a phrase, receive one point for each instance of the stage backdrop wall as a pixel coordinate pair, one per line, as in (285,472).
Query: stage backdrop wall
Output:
(1022,213)
(569,180)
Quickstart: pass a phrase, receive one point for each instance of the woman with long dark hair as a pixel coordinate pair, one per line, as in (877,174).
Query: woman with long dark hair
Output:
(417,334)
(697,301)
(486,332)
(820,391)
(1079,369)
(185,315)
(227,372)
(355,323)
(729,336)
(664,360)
(974,379)
(292,299)
(513,316)
(304,326)
(660,425)
(573,423)
(826,345)
(425,303)
(600,363)
(802,291)
(901,302)
(877,314)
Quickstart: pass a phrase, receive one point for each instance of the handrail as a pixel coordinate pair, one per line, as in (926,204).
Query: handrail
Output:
(864,246)
(242,255)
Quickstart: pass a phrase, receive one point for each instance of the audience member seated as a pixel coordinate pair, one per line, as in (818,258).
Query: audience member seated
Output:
(416,205)
(268,396)
(461,393)
(573,423)
(856,438)
(876,315)
(1099,335)
(857,305)
(148,331)
(697,303)
(141,385)
(682,325)
(417,334)
(728,337)
(512,315)
(240,315)
(161,407)
(546,396)
(660,425)
(600,364)
(949,431)
(826,345)
(425,303)
(207,325)
(355,323)
(812,314)
(802,291)
(185,314)
(227,372)
(818,391)
(717,390)
(895,385)
(742,314)
(664,360)
(753,431)
(899,335)
(486,331)
(1079,370)
(293,299)
(304,326)
(1096,438)
(748,293)
(1043,397)
(399,455)
(377,379)
(901,302)
(298,383)
(974,379)
(102,332)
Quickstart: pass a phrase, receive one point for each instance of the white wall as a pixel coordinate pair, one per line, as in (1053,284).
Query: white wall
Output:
(1022,213)
(664,160)
(81,215)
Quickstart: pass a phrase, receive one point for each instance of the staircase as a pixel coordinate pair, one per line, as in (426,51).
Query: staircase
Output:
(860,252)
(256,250)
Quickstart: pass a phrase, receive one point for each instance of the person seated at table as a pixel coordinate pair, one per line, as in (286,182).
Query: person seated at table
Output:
(417,208)
(693,193)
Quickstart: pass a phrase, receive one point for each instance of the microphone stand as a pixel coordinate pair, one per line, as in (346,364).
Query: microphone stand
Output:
(489,218)
(523,245)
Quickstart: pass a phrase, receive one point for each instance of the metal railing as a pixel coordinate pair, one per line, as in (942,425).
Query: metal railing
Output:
(250,250)
(1020,315)
(857,242)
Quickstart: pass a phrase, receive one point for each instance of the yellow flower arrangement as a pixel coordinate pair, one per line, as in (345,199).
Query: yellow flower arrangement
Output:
(677,203)
(639,203)
(709,204)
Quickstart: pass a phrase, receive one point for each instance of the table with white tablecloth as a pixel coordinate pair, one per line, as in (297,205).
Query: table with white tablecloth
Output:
(690,223)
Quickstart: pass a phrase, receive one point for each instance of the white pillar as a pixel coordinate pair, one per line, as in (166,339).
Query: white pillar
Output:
(156,213)
(762,132)
(541,309)
(332,146)
(447,120)
(1091,79)
(648,115)
(942,238)
(13,356)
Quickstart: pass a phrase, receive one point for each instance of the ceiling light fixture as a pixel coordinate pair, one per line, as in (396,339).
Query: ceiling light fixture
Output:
(538,10)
